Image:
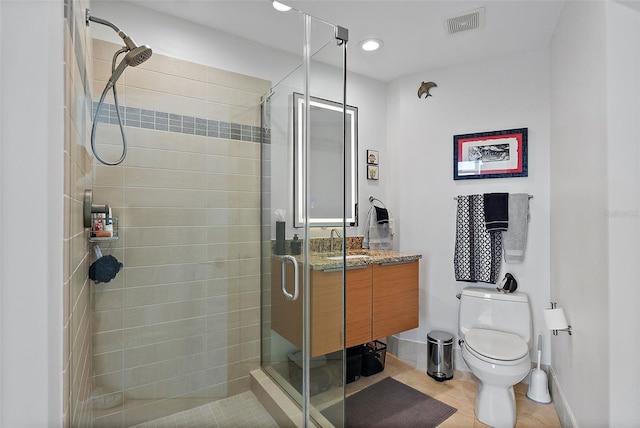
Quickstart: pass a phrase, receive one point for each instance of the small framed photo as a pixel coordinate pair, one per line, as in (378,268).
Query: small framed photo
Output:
(372,157)
(372,172)
(495,154)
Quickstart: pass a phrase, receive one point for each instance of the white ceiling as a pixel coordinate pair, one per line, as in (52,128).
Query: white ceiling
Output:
(413,31)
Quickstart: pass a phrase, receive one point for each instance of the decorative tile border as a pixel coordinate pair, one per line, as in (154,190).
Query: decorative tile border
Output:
(171,122)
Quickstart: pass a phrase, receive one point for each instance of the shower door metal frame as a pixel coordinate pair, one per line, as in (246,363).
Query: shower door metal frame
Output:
(341,37)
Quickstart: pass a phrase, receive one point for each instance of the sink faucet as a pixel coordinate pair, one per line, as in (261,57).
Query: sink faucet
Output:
(337,235)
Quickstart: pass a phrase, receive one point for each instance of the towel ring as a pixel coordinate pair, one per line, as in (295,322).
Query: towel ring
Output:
(372,199)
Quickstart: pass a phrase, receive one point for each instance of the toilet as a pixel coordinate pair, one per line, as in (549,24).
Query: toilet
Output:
(495,338)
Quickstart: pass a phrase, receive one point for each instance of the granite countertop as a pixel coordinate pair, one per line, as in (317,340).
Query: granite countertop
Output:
(324,261)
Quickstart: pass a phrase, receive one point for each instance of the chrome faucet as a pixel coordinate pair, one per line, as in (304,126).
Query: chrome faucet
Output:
(337,234)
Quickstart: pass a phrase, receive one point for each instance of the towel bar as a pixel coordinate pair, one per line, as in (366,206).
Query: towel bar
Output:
(455,198)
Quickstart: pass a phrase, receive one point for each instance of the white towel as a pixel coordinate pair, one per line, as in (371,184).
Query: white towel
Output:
(514,239)
(376,235)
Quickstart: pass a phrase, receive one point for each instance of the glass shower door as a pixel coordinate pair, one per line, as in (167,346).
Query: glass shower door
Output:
(302,305)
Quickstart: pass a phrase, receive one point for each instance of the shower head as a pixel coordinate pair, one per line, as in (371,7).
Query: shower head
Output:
(133,58)
(137,56)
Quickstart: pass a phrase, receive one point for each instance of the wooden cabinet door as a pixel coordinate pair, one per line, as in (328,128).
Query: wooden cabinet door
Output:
(359,308)
(395,298)
(327,308)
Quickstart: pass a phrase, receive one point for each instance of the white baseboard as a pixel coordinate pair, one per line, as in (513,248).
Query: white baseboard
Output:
(414,353)
(567,420)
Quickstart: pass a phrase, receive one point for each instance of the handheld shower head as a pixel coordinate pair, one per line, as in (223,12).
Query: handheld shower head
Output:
(135,55)
(133,58)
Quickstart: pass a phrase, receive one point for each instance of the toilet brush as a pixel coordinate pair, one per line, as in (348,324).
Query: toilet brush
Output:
(538,386)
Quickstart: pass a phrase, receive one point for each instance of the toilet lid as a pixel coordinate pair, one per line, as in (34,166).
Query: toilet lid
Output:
(497,345)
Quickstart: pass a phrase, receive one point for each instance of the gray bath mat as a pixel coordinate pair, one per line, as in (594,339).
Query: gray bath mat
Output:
(391,404)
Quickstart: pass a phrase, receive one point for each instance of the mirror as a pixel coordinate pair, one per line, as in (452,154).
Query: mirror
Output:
(326,160)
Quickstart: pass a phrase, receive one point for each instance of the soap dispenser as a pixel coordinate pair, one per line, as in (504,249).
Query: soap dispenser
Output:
(295,245)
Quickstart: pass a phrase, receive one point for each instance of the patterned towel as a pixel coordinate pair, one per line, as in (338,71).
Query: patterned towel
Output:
(478,252)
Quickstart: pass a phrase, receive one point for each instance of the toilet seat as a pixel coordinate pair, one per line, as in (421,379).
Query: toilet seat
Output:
(496,346)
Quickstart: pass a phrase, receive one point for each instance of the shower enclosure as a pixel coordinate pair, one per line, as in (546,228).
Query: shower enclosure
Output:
(209,161)
(291,306)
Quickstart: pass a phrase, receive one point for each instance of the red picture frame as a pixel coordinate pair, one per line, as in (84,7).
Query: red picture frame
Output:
(495,154)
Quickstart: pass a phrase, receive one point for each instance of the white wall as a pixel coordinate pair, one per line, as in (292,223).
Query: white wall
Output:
(31,212)
(623,214)
(595,231)
(504,93)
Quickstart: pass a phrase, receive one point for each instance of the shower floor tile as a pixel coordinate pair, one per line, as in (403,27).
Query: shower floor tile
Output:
(242,410)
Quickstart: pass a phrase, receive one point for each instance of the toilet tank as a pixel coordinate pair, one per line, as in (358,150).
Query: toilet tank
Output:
(495,310)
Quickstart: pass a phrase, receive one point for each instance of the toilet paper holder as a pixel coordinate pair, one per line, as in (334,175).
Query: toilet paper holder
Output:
(556,320)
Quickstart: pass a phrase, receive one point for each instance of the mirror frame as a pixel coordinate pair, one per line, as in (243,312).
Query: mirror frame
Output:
(298,138)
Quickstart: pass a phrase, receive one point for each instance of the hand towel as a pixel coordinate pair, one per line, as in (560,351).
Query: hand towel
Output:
(376,235)
(477,252)
(514,240)
(382,215)
(496,211)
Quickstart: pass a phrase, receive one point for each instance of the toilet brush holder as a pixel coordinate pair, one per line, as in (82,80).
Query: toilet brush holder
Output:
(539,387)
(538,384)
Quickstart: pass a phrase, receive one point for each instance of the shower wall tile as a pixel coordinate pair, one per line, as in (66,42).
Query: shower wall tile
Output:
(155,333)
(237,80)
(145,177)
(109,195)
(168,255)
(106,300)
(104,321)
(250,300)
(222,304)
(165,293)
(159,159)
(168,369)
(109,176)
(159,275)
(184,312)
(172,198)
(148,217)
(144,236)
(181,347)
(101,73)
(108,341)
(156,314)
(113,381)
(108,362)
(172,66)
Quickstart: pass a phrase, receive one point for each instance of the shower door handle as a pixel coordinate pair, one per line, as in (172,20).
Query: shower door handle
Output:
(288,295)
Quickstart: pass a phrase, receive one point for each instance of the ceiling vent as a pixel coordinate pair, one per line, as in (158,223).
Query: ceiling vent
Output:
(472,20)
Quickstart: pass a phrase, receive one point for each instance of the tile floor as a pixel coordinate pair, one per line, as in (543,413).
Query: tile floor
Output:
(239,411)
(459,392)
(244,410)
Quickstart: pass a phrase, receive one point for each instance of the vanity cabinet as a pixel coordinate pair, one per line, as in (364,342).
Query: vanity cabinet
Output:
(381,299)
(395,298)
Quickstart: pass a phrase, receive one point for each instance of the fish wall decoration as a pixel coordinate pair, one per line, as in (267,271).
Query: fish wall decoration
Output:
(425,88)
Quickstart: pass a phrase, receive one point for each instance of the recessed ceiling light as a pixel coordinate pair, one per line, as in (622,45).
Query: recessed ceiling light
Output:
(281,6)
(371,45)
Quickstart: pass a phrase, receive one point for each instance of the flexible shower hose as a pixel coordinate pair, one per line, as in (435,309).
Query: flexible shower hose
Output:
(95,119)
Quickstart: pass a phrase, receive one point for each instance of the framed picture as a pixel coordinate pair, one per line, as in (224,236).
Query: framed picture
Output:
(495,154)
(372,172)
(372,157)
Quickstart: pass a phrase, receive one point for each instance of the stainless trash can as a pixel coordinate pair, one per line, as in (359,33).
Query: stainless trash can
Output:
(439,358)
